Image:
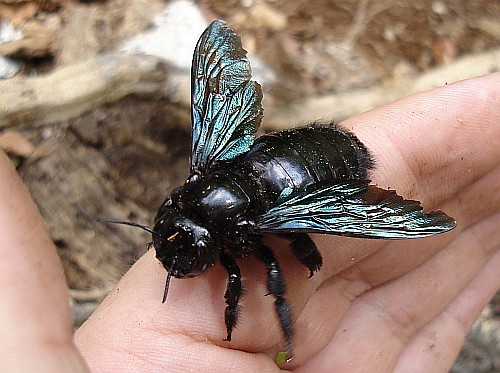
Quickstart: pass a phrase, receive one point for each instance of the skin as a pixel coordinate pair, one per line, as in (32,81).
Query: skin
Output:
(402,306)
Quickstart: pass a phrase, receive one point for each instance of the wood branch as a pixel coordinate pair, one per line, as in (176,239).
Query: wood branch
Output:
(74,89)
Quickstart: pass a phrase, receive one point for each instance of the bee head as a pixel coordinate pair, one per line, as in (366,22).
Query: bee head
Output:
(184,247)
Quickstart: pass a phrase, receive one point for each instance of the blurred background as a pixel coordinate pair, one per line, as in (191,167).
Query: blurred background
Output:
(95,95)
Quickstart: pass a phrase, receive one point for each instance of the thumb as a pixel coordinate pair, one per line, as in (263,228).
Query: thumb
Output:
(35,318)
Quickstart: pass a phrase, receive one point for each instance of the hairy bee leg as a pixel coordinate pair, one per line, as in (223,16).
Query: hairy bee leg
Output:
(305,250)
(233,292)
(276,287)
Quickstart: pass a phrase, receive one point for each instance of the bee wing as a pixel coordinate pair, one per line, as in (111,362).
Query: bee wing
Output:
(353,208)
(226,104)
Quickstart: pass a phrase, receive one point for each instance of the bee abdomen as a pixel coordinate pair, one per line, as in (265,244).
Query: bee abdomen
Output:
(291,160)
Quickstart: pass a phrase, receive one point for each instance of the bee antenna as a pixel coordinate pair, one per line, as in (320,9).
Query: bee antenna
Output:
(144,227)
(147,229)
(167,283)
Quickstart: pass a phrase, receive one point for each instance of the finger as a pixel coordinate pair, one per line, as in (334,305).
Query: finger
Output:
(410,254)
(469,205)
(429,146)
(35,318)
(444,150)
(436,346)
(421,151)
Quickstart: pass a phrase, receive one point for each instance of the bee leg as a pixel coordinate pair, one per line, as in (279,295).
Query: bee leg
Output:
(276,287)
(233,292)
(305,250)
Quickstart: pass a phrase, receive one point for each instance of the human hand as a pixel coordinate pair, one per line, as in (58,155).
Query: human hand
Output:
(379,305)
(384,305)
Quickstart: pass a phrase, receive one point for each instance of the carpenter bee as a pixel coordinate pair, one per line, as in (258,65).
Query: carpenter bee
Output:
(291,183)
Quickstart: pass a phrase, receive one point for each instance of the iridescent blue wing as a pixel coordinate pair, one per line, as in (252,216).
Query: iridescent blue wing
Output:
(353,208)
(226,104)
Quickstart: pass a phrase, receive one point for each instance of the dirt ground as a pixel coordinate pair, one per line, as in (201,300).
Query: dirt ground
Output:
(121,159)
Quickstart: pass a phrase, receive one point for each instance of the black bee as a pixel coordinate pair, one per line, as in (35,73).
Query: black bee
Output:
(306,180)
